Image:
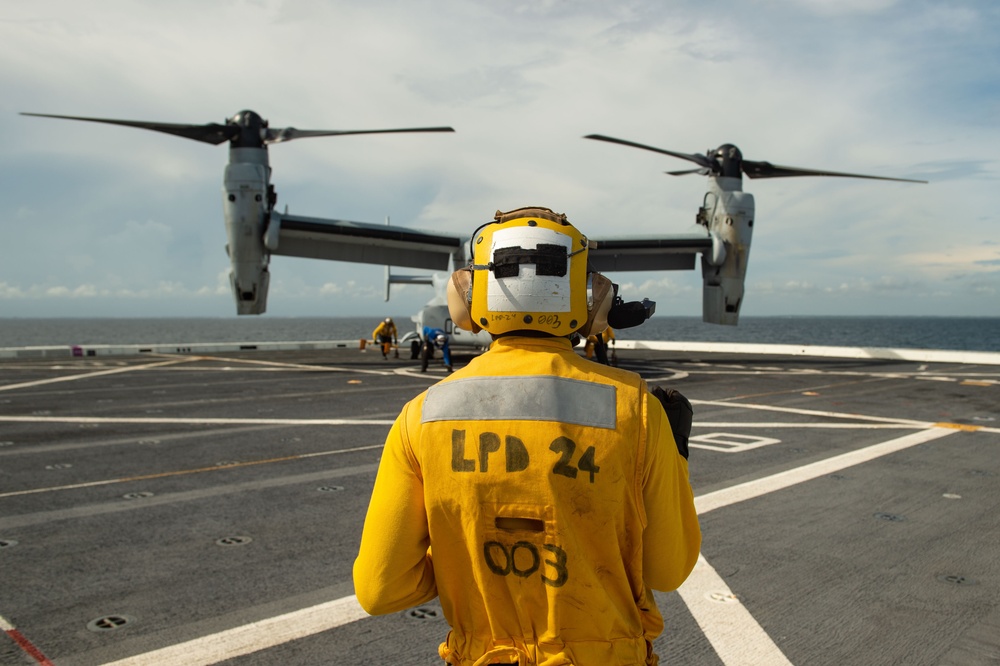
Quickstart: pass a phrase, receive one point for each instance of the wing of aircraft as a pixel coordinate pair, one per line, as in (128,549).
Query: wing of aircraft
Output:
(358,242)
(650,253)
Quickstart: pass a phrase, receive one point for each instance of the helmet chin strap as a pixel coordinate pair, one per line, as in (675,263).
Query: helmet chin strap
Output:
(528,333)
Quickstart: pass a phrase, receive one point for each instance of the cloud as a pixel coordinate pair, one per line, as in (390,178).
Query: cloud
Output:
(882,87)
(168,290)
(9,291)
(942,170)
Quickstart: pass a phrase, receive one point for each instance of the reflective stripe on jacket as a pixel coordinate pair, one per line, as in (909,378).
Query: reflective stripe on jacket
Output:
(552,493)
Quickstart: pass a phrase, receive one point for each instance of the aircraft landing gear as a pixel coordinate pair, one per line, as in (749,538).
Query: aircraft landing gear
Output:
(427,355)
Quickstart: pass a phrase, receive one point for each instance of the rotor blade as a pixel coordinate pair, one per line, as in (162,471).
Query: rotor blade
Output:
(703,172)
(288,133)
(755,169)
(211,133)
(697,158)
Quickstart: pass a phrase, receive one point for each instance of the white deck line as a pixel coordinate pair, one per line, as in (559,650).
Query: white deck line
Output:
(769,484)
(727,624)
(99,373)
(145,420)
(253,637)
(880,353)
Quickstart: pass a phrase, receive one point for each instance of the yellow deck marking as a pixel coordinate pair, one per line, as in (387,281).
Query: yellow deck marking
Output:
(959,426)
(198,470)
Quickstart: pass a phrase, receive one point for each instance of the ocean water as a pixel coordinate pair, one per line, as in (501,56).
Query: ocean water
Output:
(952,333)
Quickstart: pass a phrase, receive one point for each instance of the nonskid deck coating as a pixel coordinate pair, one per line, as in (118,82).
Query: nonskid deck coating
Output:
(206,508)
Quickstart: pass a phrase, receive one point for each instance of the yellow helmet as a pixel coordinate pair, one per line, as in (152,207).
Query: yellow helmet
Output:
(529,273)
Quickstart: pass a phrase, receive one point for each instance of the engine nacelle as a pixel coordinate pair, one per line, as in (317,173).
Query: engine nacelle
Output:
(728,213)
(245,207)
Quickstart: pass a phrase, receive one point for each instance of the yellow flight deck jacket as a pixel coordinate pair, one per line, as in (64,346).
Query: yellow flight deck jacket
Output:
(384,329)
(553,497)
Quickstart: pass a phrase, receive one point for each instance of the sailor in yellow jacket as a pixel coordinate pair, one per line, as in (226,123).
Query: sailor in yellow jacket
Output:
(540,495)
(384,335)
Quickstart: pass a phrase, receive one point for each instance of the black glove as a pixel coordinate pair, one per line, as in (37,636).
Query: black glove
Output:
(679,413)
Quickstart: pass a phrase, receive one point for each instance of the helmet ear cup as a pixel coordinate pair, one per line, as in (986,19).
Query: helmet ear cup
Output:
(599,302)
(460,300)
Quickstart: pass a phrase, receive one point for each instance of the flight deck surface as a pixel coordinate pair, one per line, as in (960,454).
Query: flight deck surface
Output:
(206,508)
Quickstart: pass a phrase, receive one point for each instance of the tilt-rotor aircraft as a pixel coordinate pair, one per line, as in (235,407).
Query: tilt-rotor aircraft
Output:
(726,218)
(256,230)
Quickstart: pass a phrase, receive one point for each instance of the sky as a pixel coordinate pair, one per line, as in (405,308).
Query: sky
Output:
(107,221)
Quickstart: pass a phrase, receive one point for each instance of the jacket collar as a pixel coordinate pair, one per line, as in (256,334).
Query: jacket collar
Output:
(549,343)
